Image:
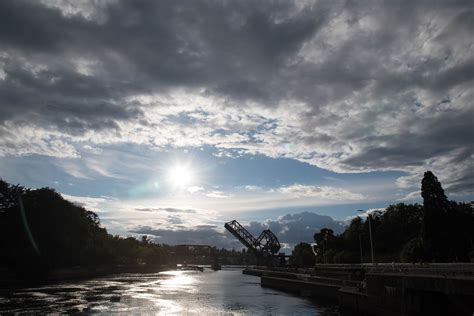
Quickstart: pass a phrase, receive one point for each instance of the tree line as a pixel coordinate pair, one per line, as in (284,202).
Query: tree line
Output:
(40,231)
(440,230)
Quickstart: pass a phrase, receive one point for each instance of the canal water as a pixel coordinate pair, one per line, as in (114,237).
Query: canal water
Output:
(225,292)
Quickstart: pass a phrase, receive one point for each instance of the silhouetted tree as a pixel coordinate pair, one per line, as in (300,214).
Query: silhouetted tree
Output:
(439,230)
(9,194)
(325,241)
(435,208)
(398,225)
(302,256)
(51,232)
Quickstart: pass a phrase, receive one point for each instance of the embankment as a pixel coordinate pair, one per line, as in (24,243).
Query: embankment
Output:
(362,290)
(15,279)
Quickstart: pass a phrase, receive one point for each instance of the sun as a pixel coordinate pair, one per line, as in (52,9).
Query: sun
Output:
(180,176)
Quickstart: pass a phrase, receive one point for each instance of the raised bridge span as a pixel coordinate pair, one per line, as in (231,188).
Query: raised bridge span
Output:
(265,244)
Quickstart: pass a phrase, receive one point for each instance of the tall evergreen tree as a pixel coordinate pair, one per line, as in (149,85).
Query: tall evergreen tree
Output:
(432,192)
(436,207)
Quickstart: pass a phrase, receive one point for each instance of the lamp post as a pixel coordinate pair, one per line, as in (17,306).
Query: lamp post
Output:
(370,236)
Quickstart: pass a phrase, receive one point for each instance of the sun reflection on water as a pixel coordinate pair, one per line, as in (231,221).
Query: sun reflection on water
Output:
(179,279)
(165,293)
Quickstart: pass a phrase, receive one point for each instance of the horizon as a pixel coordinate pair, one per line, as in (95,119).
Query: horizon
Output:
(174,118)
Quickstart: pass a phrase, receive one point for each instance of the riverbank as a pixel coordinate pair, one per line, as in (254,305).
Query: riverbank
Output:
(15,279)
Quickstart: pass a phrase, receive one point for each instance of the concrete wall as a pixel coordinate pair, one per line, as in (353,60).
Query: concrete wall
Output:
(422,294)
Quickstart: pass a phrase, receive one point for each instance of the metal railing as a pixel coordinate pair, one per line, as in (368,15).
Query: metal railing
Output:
(437,269)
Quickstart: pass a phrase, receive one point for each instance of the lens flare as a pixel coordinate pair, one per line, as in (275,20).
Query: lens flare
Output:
(180,176)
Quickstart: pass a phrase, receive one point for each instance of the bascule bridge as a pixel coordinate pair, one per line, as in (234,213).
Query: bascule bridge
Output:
(266,245)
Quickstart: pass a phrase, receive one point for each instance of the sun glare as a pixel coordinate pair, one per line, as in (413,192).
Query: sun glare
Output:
(180,176)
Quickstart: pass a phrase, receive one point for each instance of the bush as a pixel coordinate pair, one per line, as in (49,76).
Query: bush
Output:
(413,251)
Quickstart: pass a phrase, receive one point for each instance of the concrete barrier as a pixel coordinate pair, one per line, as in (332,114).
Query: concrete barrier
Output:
(303,288)
(386,289)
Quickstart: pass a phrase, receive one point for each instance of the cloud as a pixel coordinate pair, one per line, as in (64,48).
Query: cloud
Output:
(349,87)
(166,209)
(363,214)
(330,193)
(90,203)
(295,228)
(205,226)
(290,229)
(411,196)
(194,189)
(198,236)
(252,187)
(218,195)
(174,219)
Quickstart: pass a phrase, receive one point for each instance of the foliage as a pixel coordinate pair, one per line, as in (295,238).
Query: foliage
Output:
(40,230)
(325,241)
(448,227)
(302,256)
(413,250)
(435,207)
(439,230)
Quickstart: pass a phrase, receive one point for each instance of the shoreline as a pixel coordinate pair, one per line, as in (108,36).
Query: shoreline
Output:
(13,279)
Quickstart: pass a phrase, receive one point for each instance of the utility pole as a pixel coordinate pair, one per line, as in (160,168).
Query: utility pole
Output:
(370,235)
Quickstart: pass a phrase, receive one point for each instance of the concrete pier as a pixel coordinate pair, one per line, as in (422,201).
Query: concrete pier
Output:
(386,289)
(302,287)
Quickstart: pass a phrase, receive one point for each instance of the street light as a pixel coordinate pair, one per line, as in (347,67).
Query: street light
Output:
(370,236)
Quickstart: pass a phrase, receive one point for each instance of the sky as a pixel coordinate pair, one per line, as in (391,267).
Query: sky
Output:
(170,118)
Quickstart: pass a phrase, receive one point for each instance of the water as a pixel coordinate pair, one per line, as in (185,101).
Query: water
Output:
(225,292)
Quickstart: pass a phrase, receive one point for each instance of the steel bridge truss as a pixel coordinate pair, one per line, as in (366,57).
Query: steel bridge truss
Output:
(266,243)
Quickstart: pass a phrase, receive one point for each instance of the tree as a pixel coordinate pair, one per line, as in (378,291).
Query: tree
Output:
(460,225)
(435,210)
(400,224)
(302,256)
(439,230)
(447,226)
(325,240)
(432,192)
(412,251)
(9,194)
(50,232)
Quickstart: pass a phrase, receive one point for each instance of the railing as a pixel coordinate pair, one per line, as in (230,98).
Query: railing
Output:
(434,269)
(438,269)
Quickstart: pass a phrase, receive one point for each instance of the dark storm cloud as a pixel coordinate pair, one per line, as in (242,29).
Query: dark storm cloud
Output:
(142,45)
(379,85)
(452,130)
(241,49)
(167,42)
